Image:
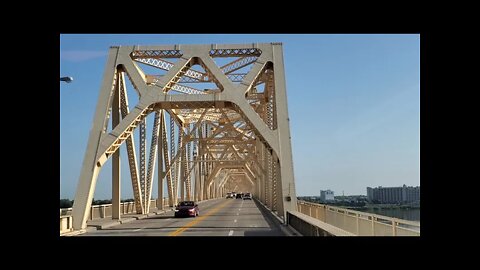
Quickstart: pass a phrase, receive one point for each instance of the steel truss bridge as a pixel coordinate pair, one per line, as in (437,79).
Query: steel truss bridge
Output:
(220,124)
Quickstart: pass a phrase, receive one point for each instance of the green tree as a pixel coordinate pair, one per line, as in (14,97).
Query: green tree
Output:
(66,203)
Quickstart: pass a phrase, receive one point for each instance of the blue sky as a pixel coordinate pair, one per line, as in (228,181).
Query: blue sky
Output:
(353,101)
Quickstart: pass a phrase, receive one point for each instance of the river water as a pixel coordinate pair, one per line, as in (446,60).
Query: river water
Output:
(408,214)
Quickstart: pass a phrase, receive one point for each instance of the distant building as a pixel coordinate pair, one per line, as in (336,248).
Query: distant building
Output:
(326,195)
(402,194)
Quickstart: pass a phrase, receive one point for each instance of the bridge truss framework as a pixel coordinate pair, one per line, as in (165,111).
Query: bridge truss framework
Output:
(231,136)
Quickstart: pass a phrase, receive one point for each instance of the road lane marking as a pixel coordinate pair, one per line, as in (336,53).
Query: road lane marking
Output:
(230,233)
(238,214)
(197,220)
(139,229)
(235,220)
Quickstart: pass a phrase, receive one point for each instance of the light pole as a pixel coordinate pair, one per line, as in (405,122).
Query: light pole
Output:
(66,79)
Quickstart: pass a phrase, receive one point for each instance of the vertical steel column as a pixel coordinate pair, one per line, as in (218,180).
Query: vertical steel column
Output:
(206,188)
(267,175)
(279,204)
(186,166)
(200,163)
(180,160)
(214,190)
(196,177)
(259,156)
(274,182)
(161,161)
(172,154)
(270,92)
(288,194)
(143,156)
(116,156)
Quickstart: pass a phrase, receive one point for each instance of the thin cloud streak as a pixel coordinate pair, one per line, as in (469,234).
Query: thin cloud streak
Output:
(81,56)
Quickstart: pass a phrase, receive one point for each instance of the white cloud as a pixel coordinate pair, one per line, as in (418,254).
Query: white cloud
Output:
(80,56)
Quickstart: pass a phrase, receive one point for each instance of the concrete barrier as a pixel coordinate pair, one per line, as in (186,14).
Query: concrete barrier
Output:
(309,226)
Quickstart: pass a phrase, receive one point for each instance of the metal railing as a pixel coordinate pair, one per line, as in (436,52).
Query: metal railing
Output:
(105,210)
(101,211)
(359,223)
(66,224)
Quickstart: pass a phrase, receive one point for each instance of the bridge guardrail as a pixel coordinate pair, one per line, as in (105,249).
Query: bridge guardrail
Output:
(359,223)
(105,210)
(66,224)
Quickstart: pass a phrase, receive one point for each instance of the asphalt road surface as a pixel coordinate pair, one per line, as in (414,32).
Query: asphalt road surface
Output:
(221,217)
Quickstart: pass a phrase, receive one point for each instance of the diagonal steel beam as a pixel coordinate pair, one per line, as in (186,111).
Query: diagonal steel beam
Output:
(166,160)
(130,145)
(238,64)
(165,65)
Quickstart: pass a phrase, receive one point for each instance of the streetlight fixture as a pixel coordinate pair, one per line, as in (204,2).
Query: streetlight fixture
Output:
(66,79)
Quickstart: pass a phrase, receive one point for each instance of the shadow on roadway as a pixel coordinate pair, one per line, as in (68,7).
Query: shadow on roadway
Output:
(273,225)
(181,227)
(161,217)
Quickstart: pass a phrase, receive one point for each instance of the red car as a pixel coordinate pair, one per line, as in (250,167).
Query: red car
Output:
(187,208)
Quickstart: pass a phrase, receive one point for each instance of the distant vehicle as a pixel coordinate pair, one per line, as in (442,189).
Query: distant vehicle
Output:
(239,195)
(247,196)
(187,208)
(230,196)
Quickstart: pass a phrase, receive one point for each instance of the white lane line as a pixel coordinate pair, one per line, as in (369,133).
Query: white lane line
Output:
(230,233)
(235,220)
(238,214)
(138,229)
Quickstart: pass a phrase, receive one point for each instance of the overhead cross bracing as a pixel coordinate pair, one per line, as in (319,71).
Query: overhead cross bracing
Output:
(220,122)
